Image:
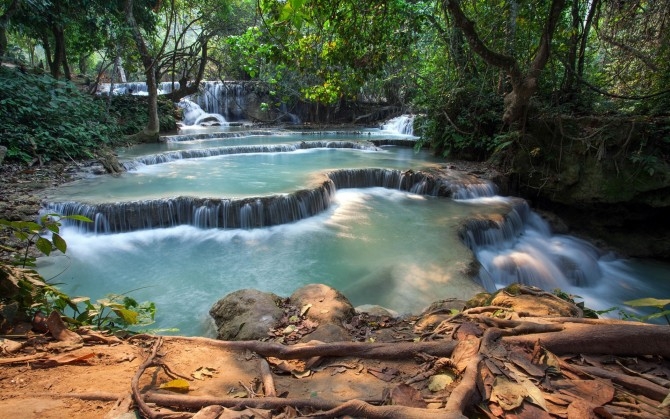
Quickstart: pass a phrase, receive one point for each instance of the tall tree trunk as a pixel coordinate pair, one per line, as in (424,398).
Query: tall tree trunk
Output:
(150,132)
(524,85)
(4,23)
(60,56)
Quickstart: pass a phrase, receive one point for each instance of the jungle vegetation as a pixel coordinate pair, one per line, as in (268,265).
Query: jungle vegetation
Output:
(477,70)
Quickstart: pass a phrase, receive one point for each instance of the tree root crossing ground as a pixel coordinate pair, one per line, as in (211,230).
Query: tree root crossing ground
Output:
(480,362)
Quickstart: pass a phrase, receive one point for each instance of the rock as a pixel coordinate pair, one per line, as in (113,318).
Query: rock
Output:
(375,310)
(328,304)
(329,307)
(3,153)
(538,305)
(246,314)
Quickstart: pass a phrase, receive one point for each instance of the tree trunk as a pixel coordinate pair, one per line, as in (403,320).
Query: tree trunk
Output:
(4,23)
(524,85)
(150,132)
(60,56)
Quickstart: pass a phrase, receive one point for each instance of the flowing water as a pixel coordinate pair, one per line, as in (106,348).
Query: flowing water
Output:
(204,215)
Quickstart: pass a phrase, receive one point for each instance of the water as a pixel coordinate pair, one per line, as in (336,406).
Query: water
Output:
(395,248)
(376,245)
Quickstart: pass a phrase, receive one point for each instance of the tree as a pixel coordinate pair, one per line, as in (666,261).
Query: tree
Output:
(329,49)
(523,83)
(9,8)
(150,132)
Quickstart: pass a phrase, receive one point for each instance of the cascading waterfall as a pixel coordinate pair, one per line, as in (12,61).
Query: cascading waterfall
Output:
(137,88)
(227,99)
(195,115)
(253,212)
(510,241)
(403,124)
(152,159)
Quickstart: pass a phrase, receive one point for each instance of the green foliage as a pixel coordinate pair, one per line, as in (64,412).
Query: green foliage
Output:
(131,113)
(32,233)
(116,312)
(659,305)
(464,123)
(45,119)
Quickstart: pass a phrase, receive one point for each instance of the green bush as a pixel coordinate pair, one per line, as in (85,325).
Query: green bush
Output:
(46,119)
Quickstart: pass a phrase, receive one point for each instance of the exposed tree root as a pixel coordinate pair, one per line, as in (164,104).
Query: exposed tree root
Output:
(396,350)
(607,339)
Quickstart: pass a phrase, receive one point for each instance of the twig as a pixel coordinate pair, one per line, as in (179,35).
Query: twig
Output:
(268,381)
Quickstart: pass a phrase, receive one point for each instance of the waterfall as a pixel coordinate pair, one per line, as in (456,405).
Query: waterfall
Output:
(257,211)
(518,247)
(227,99)
(152,159)
(403,124)
(136,88)
(195,115)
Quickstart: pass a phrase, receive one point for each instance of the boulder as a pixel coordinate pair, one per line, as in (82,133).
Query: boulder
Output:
(537,305)
(329,308)
(328,304)
(246,314)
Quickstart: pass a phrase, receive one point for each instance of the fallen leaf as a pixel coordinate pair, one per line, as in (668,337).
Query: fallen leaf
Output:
(301,374)
(386,374)
(579,409)
(338,370)
(179,385)
(666,402)
(203,372)
(305,309)
(404,395)
(509,395)
(62,360)
(596,392)
(464,351)
(439,382)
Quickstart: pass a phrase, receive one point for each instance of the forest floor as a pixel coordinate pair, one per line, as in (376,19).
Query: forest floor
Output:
(481,362)
(496,361)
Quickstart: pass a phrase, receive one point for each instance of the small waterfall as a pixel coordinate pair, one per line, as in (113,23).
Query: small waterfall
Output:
(152,159)
(200,212)
(403,124)
(194,115)
(518,247)
(224,98)
(215,135)
(136,88)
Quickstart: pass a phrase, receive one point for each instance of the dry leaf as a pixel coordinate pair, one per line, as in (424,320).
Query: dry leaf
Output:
(579,409)
(439,382)
(507,394)
(404,395)
(179,385)
(464,351)
(386,374)
(63,360)
(305,309)
(666,402)
(596,392)
(203,372)
(301,374)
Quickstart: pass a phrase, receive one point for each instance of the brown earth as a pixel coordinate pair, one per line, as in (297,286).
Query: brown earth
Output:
(490,361)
